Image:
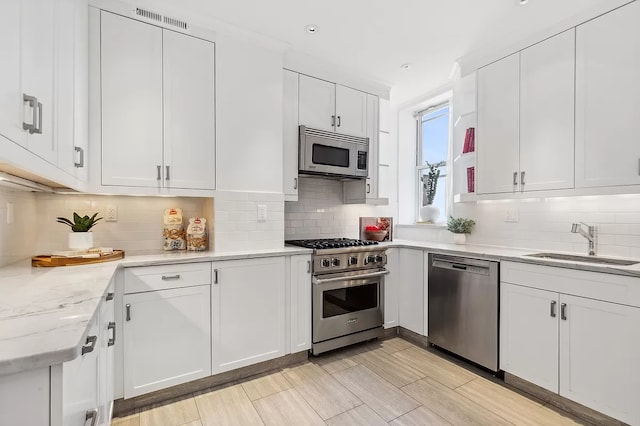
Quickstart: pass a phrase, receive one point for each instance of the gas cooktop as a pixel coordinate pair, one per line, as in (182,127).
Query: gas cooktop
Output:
(330,243)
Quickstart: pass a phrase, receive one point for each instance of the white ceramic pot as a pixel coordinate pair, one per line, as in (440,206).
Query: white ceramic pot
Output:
(459,238)
(80,240)
(429,213)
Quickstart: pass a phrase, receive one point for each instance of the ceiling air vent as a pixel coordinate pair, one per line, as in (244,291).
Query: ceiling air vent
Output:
(153,16)
(176,23)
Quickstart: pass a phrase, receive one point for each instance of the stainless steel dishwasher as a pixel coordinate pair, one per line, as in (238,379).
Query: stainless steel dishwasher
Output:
(463,307)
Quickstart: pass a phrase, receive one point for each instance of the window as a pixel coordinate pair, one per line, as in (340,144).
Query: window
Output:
(431,163)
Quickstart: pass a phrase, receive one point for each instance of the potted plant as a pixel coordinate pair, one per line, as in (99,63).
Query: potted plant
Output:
(428,212)
(460,227)
(80,238)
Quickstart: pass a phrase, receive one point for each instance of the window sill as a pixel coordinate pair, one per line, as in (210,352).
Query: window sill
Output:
(419,225)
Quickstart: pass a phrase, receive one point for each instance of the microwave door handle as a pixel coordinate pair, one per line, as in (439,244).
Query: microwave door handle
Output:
(320,281)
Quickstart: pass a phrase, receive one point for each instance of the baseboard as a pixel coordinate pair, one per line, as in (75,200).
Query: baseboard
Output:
(571,407)
(124,407)
(413,337)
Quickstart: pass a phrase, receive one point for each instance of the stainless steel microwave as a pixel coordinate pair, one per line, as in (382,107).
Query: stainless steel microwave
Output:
(332,154)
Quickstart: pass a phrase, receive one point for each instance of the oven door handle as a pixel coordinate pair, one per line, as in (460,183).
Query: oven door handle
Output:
(320,281)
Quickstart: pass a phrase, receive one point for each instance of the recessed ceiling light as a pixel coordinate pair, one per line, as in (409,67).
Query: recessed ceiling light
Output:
(405,66)
(312,28)
(522,2)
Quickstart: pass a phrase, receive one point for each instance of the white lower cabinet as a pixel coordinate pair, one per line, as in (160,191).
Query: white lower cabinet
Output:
(167,338)
(580,347)
(247,312)
(391,289)
(300,303)
(411,291)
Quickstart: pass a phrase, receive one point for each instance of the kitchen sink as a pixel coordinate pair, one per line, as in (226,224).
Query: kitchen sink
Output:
(586,259)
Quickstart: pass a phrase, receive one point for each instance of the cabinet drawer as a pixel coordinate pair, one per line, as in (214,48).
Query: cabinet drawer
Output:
(613,288)
(149,278)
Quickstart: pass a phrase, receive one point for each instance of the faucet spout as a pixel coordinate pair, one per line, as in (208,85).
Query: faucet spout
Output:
(590,235)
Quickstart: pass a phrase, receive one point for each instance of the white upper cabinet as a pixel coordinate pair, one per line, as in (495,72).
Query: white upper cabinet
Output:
(332,107)
(547,113)
(11,99)
(131,61)
(608,99)
(525,119)
(317,103)
(189,115)
(290,135)
(351,111)
(498,129)
(158,118)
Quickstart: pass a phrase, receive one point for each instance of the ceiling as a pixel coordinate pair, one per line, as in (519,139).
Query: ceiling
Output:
(375,37)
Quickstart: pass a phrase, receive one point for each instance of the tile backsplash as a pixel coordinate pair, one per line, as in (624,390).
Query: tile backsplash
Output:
(138,228)
(319,212)
(18,239)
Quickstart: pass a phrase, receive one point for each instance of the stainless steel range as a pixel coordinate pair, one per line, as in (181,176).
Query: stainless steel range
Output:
(348,291)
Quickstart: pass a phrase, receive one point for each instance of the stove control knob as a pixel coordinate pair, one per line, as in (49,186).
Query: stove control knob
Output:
(379,258)
(325,263)
(335,262)
(369,259)
(353,260)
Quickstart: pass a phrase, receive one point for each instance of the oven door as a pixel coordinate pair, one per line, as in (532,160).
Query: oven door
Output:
(347,303)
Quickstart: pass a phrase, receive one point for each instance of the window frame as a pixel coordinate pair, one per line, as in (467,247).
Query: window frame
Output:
(419,166)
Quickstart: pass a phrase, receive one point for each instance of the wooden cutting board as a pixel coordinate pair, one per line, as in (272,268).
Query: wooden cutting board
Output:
(50,261)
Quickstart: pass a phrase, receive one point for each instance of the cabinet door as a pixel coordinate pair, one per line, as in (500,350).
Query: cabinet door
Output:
(80,382)
(371,119)
(599,346)
(107,339)
(529,334)
(411,294)
(167,338)
(317,103)
(300,302)
(546,114)
(498,128)
(37,64)
(131,78)
(290,135)
(351,111)
(11,104)
(391,282)
(608,99)
(189,111)
(248,312)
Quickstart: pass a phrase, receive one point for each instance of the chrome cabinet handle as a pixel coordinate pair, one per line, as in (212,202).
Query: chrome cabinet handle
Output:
(128,309)
(93,415)
(167,175)
(39,128)
(80,162)
(563,311)
(170,277)
(112,326)
(553,309)
(339,121)
(308,266)
(215,276)
(33,104)
(295,183)
(90,345)
(110,296)
(368,188)
(522,178)
(333,121)
(638,166)
(515,178)
(159,170)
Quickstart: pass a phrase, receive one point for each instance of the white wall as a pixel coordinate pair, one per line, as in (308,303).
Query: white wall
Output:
(319,212)
(18,240)
(248,116)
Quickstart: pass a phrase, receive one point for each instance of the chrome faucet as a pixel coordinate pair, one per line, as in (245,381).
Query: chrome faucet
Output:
(590,235)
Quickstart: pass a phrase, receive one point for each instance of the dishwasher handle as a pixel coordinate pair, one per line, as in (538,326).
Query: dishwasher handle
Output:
(475,266)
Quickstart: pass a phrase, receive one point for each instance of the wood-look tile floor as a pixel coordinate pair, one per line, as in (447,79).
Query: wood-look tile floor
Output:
(377,383)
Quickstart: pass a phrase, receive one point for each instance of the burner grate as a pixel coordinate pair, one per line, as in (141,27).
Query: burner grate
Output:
(330,243)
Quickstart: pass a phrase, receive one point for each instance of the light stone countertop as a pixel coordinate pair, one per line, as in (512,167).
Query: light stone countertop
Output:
(45,312)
